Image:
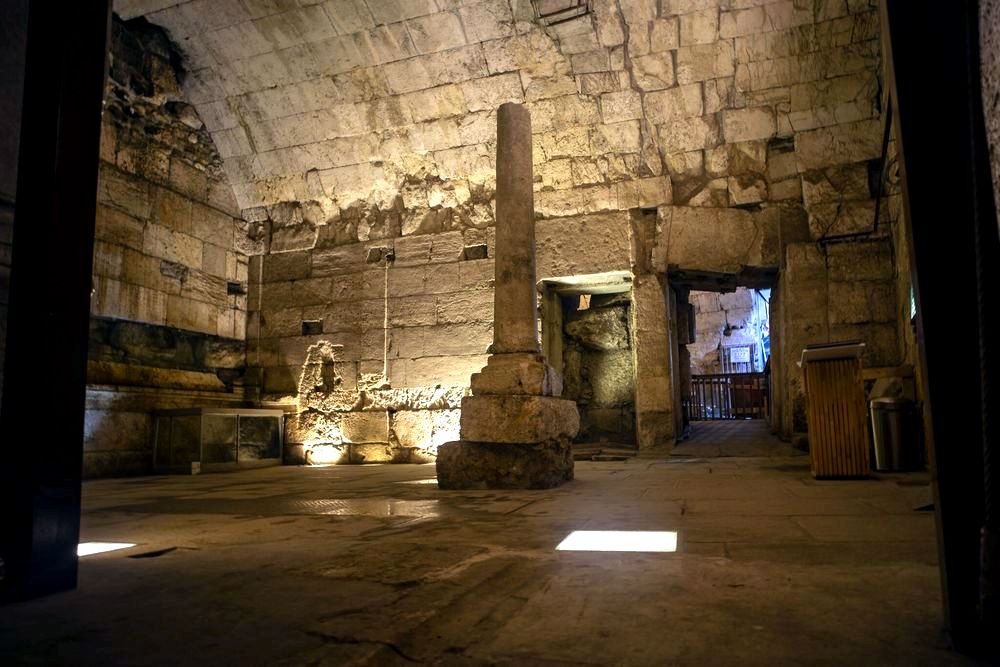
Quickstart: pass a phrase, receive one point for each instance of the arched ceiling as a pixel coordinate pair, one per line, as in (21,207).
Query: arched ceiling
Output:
(347,100)
(391,103)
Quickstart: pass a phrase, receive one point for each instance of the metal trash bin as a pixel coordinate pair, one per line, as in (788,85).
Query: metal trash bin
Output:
(893,434)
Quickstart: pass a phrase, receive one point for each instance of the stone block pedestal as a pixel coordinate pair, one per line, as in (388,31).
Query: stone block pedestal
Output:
(510,442)
(518,418)
(504,465)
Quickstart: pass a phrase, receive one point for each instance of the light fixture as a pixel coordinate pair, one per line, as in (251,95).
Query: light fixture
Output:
(663,541)
(91,548)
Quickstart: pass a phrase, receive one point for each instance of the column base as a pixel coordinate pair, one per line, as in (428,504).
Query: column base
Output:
(518,418)
(500,465)
(517,373)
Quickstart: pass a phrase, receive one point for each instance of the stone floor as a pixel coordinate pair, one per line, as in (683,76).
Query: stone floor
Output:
(375,565)
(733,437)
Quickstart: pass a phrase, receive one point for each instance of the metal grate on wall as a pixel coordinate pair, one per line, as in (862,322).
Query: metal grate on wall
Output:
(554,12)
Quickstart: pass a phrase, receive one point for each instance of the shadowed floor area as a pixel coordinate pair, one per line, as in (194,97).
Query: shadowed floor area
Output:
(375,565)
(733,437)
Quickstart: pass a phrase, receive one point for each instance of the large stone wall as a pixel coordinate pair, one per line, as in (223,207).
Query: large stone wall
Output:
(843,291)
(170,260)
(400,342)
(358,135)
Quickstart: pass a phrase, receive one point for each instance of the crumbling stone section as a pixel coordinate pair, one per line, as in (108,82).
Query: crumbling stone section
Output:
(514,397)
(364,423)
(170,260)
(169,241)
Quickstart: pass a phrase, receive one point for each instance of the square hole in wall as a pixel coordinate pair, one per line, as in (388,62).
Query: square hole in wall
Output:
(477,251)
(235,288)
(553,12)
(312,327)
(377,254)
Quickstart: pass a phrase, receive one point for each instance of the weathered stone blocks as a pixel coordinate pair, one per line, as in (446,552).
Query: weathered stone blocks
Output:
(518,418)
(517,374)
(490,465)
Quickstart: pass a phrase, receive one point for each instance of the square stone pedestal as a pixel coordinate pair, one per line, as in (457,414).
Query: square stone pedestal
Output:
(518,418)
(510,442)
(504,465)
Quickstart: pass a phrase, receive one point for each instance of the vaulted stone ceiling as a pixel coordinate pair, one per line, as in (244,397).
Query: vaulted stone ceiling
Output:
(375,104)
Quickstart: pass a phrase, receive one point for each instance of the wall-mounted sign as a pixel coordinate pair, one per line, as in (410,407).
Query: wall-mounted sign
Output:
(739,355)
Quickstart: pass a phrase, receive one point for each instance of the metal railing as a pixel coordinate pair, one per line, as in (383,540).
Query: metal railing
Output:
(728,396)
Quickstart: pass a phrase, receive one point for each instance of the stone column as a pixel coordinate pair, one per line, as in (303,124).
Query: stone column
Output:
(516,432)
(515,319)
(651,342)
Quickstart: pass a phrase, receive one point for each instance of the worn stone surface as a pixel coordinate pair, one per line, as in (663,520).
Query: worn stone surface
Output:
(167,239)
(518,418)
(654,406)
(515,321)
(492,465)
(170,281)
(598,369)
(302,115)
(600,328)
(514,373)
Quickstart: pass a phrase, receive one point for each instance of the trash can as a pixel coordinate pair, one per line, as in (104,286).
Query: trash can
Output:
(893,434)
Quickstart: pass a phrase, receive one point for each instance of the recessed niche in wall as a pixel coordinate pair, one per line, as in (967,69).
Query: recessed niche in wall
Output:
(477,251)
(312,327)
(377,254)
(235,288)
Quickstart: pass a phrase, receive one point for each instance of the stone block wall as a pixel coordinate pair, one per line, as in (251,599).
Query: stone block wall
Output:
(169,239)
(170,279)
(373,342)
(843,291)
(392,330)
(352,127)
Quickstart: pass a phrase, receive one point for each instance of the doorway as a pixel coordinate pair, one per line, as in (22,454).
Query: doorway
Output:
(729,355)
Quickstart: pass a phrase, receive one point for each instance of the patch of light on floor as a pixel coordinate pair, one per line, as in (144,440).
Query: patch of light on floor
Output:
(427,509)
(429,480)
(91,548)
(619,540)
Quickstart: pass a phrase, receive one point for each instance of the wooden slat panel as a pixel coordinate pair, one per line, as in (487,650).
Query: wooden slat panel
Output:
(836,409)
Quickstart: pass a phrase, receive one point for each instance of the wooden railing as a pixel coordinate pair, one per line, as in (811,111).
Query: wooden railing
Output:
(728,396)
